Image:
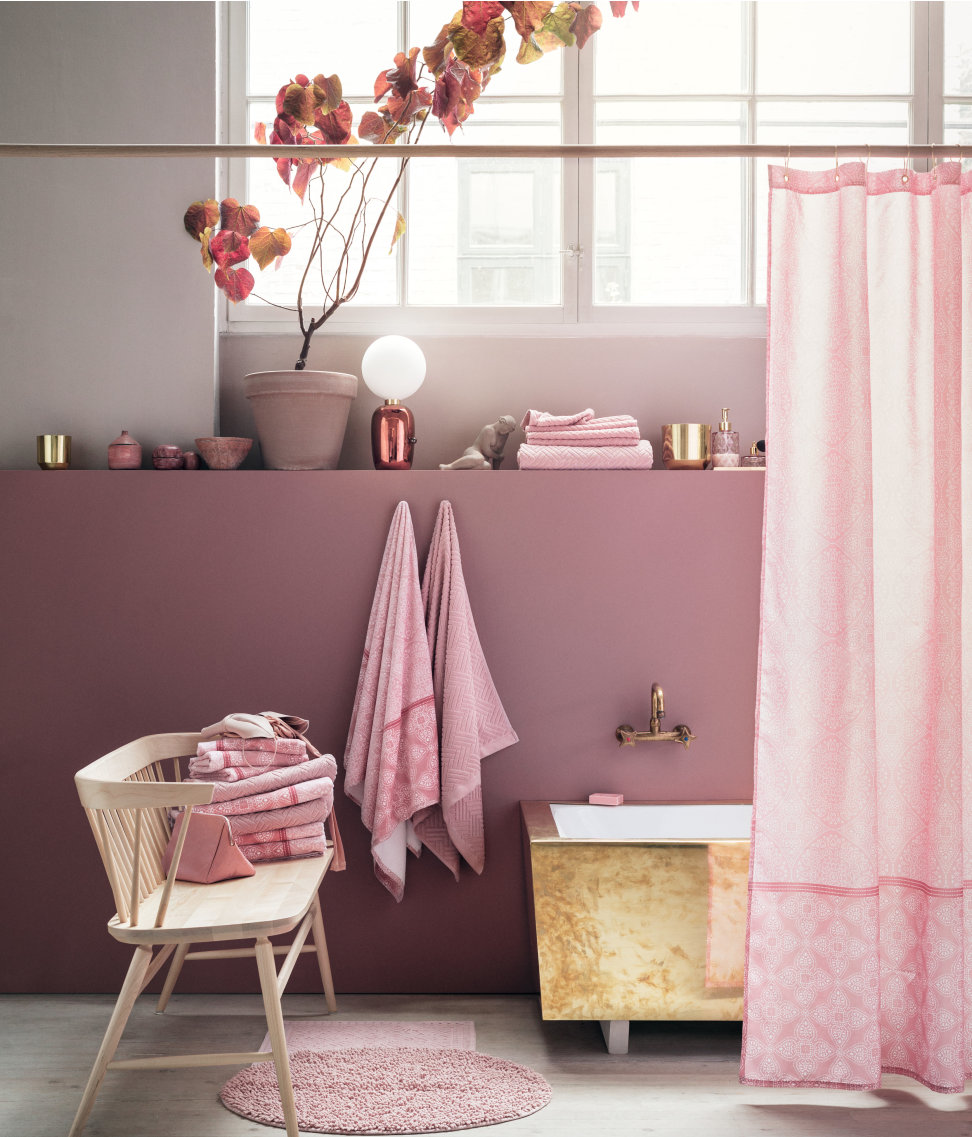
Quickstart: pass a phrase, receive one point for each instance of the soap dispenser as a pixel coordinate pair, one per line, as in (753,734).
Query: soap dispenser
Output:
(724,444)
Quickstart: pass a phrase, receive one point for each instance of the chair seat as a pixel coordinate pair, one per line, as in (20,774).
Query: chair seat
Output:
(272,901)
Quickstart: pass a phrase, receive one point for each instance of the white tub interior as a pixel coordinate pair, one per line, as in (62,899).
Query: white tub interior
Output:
(653,822)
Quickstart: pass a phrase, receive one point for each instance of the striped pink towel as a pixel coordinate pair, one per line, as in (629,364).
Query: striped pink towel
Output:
(265,836)
(264,778)
(273,745)
(285,850)
(303,814)
(275,799)
(472,721)
(542,418)
(229,759)
(601,436)
(638,457)
(391,761)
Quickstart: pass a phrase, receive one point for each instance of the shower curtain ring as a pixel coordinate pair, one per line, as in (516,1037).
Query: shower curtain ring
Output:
(934,162)
(867,162)
(836,166)
(907,167)
(786,166)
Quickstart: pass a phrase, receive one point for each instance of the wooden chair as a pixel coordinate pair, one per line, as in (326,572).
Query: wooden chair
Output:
(126,799)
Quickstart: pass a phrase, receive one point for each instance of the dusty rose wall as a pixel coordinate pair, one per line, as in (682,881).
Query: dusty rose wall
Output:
(148,601)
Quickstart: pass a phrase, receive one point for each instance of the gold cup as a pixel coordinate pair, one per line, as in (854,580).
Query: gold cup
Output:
(685,445)
(54,451)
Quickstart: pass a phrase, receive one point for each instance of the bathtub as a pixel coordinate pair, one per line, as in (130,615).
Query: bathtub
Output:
(688,822)
(619,899)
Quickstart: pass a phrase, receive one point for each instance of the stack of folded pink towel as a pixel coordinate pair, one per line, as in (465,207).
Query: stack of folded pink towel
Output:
(275,795)
(582,442)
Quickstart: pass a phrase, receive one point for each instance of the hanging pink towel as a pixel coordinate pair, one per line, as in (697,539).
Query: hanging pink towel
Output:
(391,761)
(472,721)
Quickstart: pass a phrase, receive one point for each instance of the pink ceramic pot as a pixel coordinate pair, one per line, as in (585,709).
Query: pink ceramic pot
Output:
(300,416)
(124,453)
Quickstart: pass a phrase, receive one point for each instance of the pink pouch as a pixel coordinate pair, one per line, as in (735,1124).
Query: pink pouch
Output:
(209,853)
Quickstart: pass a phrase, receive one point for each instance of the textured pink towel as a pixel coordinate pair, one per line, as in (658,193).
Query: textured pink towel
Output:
(302,814)
(542,418)
(227,759)
(472,721)
(265,836)
(601,436)
(271,745)
(585,457)
(392,757)
(275,799)
(242,725)
(265,779)
(285,850)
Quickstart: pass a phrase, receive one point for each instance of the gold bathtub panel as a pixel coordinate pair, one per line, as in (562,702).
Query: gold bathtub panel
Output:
(621,932)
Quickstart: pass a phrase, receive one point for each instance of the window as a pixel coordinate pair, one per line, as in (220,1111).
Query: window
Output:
(645,242)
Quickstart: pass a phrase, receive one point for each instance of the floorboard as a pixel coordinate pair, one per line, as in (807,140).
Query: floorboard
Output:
(678,1079)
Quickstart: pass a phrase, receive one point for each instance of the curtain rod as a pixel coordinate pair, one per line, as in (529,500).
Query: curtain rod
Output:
(567,150)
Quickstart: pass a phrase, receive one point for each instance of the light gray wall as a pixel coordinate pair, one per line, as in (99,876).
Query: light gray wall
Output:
(472,380)
(101,328)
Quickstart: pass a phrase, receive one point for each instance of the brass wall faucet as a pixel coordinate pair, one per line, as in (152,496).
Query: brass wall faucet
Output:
(628,736)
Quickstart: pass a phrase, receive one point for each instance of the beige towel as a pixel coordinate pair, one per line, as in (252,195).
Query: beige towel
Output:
(725,955)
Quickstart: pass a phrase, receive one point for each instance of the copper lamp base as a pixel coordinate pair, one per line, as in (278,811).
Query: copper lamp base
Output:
(392,436)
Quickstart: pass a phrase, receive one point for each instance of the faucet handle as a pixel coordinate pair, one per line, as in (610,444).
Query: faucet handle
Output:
(687,737)
(624,734)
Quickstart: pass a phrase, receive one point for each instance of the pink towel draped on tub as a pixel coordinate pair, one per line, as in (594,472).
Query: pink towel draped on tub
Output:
(534,457)
(391,759)
(472,721)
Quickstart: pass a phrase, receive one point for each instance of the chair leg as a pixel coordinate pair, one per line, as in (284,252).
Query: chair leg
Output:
(278,1039)
(323,960)
(170,980)
(123,1008)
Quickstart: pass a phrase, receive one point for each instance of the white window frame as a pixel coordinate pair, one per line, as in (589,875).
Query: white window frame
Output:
(578,315)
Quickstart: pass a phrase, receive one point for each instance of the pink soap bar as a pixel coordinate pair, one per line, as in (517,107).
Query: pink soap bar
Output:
(606,799)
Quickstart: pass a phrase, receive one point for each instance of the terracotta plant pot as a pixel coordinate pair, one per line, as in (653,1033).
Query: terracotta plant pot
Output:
(300,416)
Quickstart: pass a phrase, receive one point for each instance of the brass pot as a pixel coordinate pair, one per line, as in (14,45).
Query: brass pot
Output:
(685,445)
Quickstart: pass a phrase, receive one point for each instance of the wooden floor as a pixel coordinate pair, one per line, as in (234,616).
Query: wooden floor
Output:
(678,1078)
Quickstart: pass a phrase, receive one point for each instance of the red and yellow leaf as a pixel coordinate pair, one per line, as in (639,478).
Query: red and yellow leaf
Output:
(260,133)
(398,232)
(267,245)
(617,9)
(302,175)
(476,14)
(335,127)
(201,215)
(333,91)
(299,103)
(436,54)
(587,20)
(528,17)
(207,258)
(237,283)
(555,31)
(228,248)
(477,50)
(240,218)
(378,127)
(456,90)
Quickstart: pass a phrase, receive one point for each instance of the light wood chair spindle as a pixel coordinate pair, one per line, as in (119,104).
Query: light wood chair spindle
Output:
(127,803)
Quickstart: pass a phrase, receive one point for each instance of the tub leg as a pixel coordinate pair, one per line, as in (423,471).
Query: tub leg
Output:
(615,1033)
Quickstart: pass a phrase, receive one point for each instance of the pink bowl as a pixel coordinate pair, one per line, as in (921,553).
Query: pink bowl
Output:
(223,453)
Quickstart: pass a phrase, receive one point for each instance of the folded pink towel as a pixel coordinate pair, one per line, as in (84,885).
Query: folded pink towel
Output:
(472,721)
(391,761)
(267,778)
(263,745)
(602,436)
(275,799)
(265,836)
(242,725)
(226,759)
(542,418)
(302,814)
(285,850)
(638,457)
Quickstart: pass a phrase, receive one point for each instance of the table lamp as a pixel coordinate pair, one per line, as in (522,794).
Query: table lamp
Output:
(393,368)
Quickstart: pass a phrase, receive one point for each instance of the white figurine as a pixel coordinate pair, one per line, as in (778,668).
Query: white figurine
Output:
(486,453)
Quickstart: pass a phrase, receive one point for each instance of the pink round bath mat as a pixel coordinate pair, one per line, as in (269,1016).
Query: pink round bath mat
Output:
(390,1090)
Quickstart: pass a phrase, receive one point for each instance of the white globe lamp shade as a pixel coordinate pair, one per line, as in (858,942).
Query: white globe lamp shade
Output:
(393,367)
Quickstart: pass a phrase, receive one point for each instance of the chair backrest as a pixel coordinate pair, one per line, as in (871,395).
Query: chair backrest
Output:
(127,799)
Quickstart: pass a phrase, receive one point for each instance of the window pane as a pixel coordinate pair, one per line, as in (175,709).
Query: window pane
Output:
(279,206)
(833,47)
(958,129)
(544,77)
(670,230)
(646,51)
(958,49)
(484,231)
(286,38)
(822,123)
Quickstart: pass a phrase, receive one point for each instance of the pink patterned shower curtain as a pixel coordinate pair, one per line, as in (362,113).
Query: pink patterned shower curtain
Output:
(859,954)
